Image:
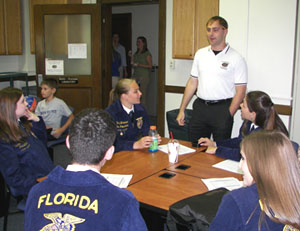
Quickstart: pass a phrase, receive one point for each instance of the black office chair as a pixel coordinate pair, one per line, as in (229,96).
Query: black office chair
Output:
(179,132)
(4,201)
(195,213)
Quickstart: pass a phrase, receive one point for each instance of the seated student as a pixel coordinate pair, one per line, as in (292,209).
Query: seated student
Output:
(23,153)
(52,109)
(132,132)
(258,112)
(79,196)
(271,198)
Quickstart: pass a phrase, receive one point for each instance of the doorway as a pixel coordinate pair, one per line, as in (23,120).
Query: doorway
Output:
(121,24)
(158,53)
(144,22)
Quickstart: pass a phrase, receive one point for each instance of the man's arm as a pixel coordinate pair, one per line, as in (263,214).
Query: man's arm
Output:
(189,91)
(240,92)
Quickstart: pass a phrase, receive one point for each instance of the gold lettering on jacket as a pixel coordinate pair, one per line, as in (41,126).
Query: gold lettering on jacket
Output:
(70,199)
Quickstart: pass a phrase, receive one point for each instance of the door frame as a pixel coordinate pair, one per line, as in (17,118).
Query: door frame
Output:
(161,48)
(96,66)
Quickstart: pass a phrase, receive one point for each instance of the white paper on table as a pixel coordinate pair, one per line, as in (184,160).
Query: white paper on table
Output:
(182,149)
(229,183)
(229,165)
(121,181)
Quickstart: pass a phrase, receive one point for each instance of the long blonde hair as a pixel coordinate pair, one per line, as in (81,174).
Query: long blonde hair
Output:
(122,87)
(274,166)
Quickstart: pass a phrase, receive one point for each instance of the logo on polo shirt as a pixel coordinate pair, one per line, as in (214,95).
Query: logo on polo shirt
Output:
(65,223)
(224,65)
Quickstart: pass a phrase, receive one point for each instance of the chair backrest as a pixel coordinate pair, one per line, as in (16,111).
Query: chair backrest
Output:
(195,212)
(179,132)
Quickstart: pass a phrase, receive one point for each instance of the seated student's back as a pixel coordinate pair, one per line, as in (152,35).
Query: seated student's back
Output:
(80,198)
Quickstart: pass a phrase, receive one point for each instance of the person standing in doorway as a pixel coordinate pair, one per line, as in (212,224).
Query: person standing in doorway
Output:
(219,78)
(142,64)
(121,50)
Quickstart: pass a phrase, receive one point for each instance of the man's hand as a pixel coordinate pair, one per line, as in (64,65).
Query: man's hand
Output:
(180,118)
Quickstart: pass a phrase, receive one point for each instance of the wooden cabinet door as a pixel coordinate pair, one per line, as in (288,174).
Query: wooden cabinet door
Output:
(189,25)
(183,28)
(204,10)
(10,27)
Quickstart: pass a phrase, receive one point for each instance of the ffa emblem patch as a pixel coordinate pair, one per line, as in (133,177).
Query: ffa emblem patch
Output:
(289,228)
(139,122)
(65,223)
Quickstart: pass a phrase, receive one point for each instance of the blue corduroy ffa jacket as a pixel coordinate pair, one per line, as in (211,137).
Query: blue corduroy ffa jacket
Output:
(82,200)
(22,163)
(128,131)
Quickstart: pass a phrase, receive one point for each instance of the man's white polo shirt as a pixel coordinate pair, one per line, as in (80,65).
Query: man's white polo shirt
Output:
(218,74)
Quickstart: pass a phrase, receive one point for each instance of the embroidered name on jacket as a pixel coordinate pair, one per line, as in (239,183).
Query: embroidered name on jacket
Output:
(69,199)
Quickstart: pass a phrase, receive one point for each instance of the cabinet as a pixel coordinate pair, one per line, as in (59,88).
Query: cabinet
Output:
(10,27)
(189,26)
(31,13)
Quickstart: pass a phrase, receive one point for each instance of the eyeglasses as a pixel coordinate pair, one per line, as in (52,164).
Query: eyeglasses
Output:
(214,29)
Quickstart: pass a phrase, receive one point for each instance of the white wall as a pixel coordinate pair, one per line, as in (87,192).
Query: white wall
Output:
(144,23)
(295,131)
(266,44)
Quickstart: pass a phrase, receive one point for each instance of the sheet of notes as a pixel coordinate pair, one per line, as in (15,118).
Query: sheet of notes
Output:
(229,165)
(229,183)
(121,181)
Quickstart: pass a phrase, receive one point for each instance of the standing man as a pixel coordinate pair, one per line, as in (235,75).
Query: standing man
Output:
(121,49)
(79,197)
(219,75)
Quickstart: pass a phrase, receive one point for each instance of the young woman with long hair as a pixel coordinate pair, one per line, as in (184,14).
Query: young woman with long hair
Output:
(141,62)
(23,152)
(271,198)
(258,112)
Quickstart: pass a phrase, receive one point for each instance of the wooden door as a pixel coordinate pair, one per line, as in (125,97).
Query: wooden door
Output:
(67,45)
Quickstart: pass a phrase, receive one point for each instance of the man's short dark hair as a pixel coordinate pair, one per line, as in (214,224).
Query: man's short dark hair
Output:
(50,82)
(221,21)
(92,133)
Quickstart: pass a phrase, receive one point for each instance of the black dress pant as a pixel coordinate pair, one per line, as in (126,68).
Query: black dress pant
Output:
(210,119)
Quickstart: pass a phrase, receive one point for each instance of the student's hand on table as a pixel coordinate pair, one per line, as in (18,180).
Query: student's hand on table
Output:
(144,142)
(211,150)
(31,116)
(180,118)
(203,141)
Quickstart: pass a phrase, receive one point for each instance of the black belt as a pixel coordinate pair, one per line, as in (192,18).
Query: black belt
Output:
(210,102)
